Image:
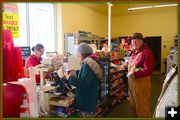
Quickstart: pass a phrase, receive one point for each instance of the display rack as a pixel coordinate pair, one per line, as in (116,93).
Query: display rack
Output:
(113,86)
(103,106)
(61,105)
(72,40)
(117,79)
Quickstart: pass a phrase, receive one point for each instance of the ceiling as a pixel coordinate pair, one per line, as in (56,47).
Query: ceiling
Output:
(122,8)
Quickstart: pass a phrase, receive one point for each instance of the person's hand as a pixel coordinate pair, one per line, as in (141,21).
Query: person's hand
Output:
(67,75)
(130,75)
(122,67)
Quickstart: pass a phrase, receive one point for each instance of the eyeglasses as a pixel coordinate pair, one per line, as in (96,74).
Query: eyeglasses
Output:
(42,51)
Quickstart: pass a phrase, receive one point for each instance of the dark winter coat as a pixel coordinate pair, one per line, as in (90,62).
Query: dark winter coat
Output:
(87,85)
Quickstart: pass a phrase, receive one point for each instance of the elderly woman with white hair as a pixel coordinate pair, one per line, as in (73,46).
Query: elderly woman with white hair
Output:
(87,81)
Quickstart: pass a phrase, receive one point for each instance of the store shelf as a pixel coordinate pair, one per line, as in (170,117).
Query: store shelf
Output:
(116,78)
(98,111)
(117,101)
(104,93)
(119,71)
(113,92)
(116,59)
(115,87)
(61,114)
(98,105)
(56,101)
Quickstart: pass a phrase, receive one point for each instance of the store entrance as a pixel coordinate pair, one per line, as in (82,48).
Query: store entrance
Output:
(154,43)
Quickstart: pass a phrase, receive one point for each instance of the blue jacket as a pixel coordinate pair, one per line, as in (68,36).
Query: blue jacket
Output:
(87,85)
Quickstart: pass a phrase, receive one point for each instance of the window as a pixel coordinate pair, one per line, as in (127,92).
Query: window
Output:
(22,40)
(41,18)
(37,25)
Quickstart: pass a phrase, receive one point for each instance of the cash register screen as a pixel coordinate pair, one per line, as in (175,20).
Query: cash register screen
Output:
(26,52)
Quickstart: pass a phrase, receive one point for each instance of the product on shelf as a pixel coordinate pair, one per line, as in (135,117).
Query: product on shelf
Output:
(115,55)
(116,76)
(117,84)
(98,110)
(101,54)
(63,103)
(64,111)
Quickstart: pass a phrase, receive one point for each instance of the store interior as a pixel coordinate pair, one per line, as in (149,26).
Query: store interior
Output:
(61,27)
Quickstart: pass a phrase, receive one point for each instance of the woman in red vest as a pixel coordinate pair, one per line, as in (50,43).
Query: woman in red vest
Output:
(35,59)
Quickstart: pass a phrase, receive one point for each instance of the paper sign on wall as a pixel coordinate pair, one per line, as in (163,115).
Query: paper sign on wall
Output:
(11,19)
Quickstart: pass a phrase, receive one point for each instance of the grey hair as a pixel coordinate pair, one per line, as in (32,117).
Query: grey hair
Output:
(38,47)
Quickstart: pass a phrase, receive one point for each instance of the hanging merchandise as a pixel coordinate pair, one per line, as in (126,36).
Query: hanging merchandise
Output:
(13,64)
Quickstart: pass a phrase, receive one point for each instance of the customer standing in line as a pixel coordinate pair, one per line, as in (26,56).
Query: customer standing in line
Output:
(87,81)
(140,68)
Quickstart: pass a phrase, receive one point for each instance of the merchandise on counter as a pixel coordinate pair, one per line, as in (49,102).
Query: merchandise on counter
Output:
(53,62)
(51,54)
(46,88)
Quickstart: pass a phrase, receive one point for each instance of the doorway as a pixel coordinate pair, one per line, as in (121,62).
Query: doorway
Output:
(154,43)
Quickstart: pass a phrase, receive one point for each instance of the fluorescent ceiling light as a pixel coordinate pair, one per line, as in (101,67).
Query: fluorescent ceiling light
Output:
(138,8)
(168,5)
(153,6)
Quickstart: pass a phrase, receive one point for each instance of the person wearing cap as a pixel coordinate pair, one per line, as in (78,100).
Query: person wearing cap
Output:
(140,68)
(87,81)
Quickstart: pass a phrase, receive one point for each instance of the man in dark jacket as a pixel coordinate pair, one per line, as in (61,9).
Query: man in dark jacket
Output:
(87,81)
